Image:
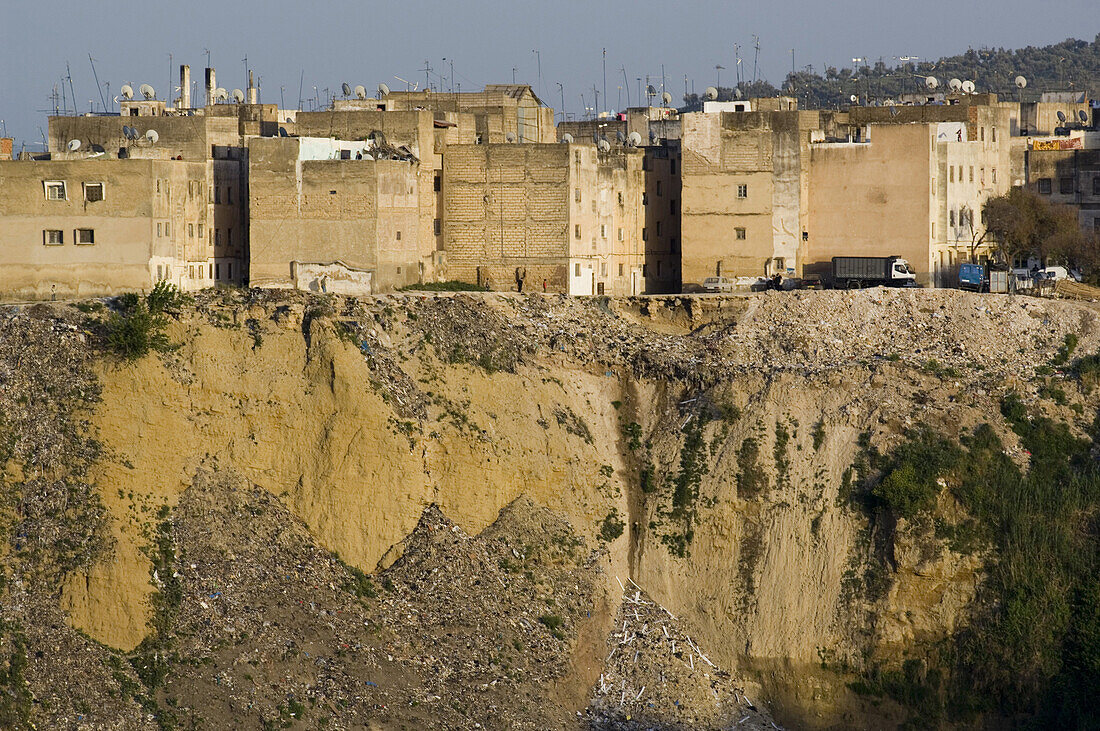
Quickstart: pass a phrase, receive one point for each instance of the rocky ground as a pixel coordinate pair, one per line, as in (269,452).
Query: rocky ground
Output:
(256,625)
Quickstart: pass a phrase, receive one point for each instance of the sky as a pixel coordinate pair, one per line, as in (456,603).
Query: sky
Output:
(324,44)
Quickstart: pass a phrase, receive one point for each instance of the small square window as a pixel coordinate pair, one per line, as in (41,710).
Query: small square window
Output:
(971,173)
(55,190)
(200,230)
(620,270)
(345,154)
(53,237)
(620,233)
(805,235)
(951,174)
(740,232)
(437,226)
(1096,185)
(951,217)
(398,235)
(577,195)
(621,197)
(742,191)
(603,268)
(1065,186)
(1044,186)
(576,231)
(190,230)
(167,228)
(577,269)
(160,229)
(93,192)
(437,183)
(84,236)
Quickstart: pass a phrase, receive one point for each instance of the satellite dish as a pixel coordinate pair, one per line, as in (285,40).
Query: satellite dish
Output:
(360,92)
(1083,116)
(147,91)
(152,136)
(510,137)
(283,132)
(711,93)
(1021,82)
(603,145)
(968,87)
(635,139)
(737,92)
(567,138)
(853,98)
(620,136)
(954,84)
(238,96)
(346,89)
(220,94)
(383,90)
(128,132)
(74,145)
(1061,116)
(931,82)
(650,91)
(666,98)
(127,91)
(652,136)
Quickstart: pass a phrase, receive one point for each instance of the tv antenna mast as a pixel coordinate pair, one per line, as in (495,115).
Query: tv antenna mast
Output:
(626,83)
(97,86)
(756,57)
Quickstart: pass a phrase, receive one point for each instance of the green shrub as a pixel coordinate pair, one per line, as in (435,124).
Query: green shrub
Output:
(910,484)
(135,332)
(752,481)
(612,526)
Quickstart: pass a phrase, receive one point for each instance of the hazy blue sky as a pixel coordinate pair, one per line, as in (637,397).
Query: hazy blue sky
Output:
(368,42)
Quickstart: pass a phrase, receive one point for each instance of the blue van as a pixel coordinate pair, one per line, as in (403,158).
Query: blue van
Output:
(973,277)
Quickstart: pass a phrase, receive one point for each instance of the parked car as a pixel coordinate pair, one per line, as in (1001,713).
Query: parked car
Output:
(718,284)
(973,277)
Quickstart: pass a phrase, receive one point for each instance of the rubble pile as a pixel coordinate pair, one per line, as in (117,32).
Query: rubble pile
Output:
(464,329)
(815,331)
(656,676)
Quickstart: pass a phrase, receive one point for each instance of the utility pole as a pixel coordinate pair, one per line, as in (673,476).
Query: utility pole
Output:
(102,101)
(626,83)
(538,59)
(513,75)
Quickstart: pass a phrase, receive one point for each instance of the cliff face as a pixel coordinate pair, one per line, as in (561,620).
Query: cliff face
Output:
(711,445)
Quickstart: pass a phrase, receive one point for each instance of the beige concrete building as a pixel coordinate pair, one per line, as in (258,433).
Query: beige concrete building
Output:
(325,210)
(560,217)
(914,190)
(745,190)
(500,112)
(1066,168)
(94,227)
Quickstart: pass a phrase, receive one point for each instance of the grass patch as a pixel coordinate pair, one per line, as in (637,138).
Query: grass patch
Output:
(612,526)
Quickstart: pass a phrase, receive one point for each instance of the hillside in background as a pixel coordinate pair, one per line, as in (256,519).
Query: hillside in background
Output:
(1071,65)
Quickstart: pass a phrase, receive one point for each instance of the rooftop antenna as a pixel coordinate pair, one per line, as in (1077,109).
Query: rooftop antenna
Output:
(718,76)
(98,88)
(756,45)
(626,83)
(69,75)
(561,89)
(538,60)
(737,62)
(301,80)
(428,69)
(604,80)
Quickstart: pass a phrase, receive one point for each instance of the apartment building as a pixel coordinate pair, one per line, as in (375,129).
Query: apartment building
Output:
(544,217)
(100,226)
(337,216)
(500,112)
(1066,169)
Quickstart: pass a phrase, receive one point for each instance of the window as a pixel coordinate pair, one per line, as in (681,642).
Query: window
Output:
(577,159)
(994,131)
(1044,186)
(229,270)
(398,235)
(437,227)
(190,188)
(933,230)
(217,194)
(981,134)
(994,173)
(160,229)
(645,234)
(1096,223)
(190,230)
(603,268)
(200,230)
(658,228)
(158,185)
(1096,185)
(603,231)
(217,271)
(577,195)
(577,269)
(228,195)
(345,154)
(780,264)
(951,174)
(217,237)
(658,187)
(621,268)
(805,235)
(960,173)
(160,272)
(53,237)
(971,173)
(951,217)
(55,190)
(229,237)
(621,197)
(437,183)
(620,233)
(740,232)
(645,199)
(210,275)
(167,228)
(93,192)
(1065,185)
(742,191)
(84,236)
(645,270)
(576,231)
